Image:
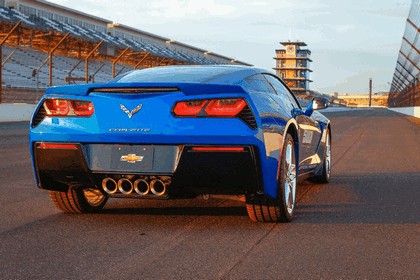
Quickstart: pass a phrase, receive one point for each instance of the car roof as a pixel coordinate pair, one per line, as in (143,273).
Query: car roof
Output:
(209,74)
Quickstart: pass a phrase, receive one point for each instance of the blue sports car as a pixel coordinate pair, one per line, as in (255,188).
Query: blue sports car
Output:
(180,132)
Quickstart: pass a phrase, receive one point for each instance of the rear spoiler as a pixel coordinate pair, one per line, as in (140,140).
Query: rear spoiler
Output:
(145,88)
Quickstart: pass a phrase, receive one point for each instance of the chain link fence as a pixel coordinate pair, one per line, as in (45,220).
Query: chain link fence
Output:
(405,86)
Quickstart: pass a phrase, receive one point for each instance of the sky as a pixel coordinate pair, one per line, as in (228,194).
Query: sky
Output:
(351,41)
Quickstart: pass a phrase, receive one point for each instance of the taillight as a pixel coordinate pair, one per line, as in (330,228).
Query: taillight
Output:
(212,108)
(217,149)
(64,107)
(225,107)
(82,108)
(56,146)
(189,108)
(57,107)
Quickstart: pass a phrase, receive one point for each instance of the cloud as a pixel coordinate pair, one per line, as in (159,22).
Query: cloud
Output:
(170,9)
(398,10)
(264,23)
(260,3)
(343,28)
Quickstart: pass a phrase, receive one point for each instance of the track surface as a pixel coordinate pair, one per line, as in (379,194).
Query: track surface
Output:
(365,224)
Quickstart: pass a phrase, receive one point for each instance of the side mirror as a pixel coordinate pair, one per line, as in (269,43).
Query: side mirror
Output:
(317,103)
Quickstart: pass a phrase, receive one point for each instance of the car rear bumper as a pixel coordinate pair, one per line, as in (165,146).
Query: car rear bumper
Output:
(185,169)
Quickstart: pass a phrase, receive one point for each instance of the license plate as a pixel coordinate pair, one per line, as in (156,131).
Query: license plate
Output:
(132,158)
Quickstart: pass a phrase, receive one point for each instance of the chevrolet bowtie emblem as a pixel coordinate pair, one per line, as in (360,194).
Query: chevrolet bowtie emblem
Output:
(132,112)
(131,158)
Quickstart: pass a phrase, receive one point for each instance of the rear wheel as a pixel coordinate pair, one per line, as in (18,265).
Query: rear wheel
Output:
(263,209)
(287,186)
(78,200)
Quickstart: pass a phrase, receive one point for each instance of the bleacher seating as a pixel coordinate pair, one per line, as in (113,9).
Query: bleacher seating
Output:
(14,15)
(18,71)
(95,36)
(26,69)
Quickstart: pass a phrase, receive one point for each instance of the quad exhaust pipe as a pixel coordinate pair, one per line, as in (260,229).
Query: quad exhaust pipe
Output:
(141,187)
(158,187)
(109,185)
(125,186)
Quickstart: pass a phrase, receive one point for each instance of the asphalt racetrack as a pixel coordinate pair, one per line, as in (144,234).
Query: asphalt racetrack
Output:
(365,224)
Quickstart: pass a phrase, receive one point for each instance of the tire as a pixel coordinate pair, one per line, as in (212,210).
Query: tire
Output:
(324,178)
(78,200)
(263,209)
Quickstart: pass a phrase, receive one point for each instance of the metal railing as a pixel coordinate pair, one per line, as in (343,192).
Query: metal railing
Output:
(405,86)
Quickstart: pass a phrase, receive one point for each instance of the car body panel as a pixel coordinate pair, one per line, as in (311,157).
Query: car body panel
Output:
(111,133)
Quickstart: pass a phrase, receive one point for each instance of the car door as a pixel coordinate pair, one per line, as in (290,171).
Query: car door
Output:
(309,129)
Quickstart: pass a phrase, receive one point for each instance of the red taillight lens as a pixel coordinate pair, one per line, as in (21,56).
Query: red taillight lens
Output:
(57,146)
(57,107)
(82,108)
(218,149)
(225,107)
(189,108)
(213,108)
(64,107)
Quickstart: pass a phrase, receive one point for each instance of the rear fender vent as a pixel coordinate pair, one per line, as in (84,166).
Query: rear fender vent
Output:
(39,116)
(134,90)
(247,116)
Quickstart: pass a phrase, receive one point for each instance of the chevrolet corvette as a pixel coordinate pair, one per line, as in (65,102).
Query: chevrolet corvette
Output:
(180,132)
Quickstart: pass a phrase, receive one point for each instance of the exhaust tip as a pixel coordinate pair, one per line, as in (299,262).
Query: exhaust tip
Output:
(158,187)
(141,187)
(125,186)
(109,185)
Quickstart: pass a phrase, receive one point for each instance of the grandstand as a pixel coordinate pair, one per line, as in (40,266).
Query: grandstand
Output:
(44,44)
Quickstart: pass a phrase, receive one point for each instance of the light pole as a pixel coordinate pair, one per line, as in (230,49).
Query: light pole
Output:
(370,92)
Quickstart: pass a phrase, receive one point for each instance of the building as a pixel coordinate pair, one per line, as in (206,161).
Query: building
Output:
(44,44)
(292,66)
(44,14)
(379,99)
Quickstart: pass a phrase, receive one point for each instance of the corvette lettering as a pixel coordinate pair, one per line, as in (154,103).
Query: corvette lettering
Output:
(129,130)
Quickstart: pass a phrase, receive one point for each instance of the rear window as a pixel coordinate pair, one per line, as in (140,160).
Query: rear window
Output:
(175,74)
(257,83)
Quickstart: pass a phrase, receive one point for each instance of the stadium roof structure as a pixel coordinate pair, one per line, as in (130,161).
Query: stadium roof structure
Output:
(47,26)
(49,5)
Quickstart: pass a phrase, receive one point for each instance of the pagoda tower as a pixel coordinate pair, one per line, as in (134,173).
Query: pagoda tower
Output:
(292,66)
